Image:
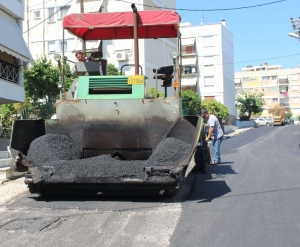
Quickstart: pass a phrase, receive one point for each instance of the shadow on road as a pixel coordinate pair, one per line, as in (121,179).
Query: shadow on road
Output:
(212,184)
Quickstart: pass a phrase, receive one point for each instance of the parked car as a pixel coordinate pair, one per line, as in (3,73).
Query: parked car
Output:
(264,121)
(288,121)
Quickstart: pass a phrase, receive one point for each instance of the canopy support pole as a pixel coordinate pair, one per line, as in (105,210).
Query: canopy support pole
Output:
(136,41)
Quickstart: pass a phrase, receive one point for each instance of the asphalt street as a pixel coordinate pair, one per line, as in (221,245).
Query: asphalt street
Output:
(251,199)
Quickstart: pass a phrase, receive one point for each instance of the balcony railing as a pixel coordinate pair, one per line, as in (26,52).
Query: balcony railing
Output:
(9,72)
(189,49)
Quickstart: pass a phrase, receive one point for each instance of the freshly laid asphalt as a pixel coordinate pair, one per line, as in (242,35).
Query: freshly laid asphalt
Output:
(251,199)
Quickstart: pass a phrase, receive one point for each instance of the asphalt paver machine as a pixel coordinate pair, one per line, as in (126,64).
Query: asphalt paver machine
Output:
(110,136)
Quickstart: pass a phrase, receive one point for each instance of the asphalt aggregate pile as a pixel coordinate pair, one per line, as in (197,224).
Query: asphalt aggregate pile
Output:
(52,147)
(169,151)
(56,158)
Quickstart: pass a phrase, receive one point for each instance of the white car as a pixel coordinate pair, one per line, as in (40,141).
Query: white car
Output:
(264,121)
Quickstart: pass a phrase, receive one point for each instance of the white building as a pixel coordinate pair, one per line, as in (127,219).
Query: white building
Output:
(45,37)
(13,51)
(208,55)
(280,86)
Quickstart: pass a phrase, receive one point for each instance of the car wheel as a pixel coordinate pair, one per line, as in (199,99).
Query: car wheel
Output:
(268,124)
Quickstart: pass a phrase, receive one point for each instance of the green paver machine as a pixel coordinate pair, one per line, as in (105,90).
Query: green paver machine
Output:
(115,114)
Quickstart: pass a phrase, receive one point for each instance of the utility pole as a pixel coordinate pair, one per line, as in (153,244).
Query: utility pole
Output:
(28,24)
(83,41)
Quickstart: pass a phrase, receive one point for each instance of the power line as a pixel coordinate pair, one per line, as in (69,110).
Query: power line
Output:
(263,59)
(46,18)
(196,10)
(36,5)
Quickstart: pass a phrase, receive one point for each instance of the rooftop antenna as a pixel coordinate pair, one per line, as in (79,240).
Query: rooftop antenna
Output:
(203,20)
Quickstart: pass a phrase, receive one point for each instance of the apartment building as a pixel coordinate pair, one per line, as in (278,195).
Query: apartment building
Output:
(45,36)
(207,58)
(14,53)
(280,86)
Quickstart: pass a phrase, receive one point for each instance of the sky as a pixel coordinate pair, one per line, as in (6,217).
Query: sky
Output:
(259,33)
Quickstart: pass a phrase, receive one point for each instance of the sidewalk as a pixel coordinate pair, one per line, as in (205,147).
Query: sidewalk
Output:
(236,132)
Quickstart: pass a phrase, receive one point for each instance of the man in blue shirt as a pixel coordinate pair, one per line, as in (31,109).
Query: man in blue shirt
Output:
(216,132)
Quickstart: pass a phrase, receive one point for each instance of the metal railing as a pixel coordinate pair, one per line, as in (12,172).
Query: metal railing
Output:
(9,72)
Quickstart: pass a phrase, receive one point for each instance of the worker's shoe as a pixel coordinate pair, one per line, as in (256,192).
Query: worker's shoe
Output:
(215,162)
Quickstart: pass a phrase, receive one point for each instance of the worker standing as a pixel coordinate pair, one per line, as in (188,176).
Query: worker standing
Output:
(216,132)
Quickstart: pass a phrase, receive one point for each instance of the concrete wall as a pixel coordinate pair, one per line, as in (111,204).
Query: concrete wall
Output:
(242,124)
(3,144)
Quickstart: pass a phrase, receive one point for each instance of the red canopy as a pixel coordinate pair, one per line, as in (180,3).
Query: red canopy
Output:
(119,25)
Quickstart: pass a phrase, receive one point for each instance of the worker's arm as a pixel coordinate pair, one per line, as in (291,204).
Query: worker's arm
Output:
(210,132)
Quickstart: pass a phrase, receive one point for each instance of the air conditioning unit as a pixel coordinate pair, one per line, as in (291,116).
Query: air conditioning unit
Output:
(121,56)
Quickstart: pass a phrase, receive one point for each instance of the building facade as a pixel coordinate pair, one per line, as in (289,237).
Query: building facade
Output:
(207,58)
(14,53)
(280,86)
(47,38)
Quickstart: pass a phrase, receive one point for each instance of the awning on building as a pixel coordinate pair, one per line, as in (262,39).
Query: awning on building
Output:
(189,61)
(11,39)
(189,81)
(188,41)
(88,7)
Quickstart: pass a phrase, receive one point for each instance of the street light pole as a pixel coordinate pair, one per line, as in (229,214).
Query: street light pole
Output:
(296,26)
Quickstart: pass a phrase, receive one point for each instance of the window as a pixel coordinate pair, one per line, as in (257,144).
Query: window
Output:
(275,99)
(264,78)
(245,79)
(272,89)
(208,61)
(274,77)
(252,79)
(209,81)
(62,12)
(65,45)
(51,14)
(269,100)
(37,14)
(208,41)
(296,100)
(295,88)
(51,47)
(294,77)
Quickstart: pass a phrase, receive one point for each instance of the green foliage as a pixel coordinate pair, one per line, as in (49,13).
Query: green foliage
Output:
(288,114)
(216,108)
(191,102)
(112,70)
(6,120)
(70,75)
(298,117)
(250,103)
(41,86)
(153,93)
(25,108)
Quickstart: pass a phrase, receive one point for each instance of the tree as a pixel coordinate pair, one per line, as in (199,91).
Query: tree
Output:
(191,102)
(70,75)
(250,103)
(112,70)
(153,92)
(277,109)
(216,108)
(7,111)
(41,86)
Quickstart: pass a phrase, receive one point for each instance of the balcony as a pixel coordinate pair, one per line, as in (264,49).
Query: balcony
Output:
(9,72)
(188,50)
(189,70)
